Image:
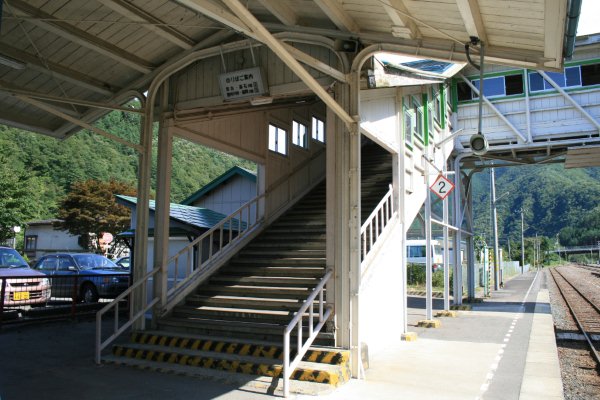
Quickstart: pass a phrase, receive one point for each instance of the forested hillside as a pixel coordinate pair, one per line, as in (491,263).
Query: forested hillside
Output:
(555,201)
(47,167)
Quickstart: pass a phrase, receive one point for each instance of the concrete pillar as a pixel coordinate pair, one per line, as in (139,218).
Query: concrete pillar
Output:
(163,192)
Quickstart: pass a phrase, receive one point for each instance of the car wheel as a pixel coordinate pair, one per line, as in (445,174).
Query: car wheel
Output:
(89,294)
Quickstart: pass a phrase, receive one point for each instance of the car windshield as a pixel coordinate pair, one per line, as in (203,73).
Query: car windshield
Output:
(9,258)
(94,261)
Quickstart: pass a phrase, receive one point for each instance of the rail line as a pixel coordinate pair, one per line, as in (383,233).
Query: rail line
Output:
(585,313)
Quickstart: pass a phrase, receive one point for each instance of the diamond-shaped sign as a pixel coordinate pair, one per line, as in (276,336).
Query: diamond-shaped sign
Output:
(442,187)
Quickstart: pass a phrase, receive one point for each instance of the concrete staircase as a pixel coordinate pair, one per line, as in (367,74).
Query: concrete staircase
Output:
(376,176)
(234,322)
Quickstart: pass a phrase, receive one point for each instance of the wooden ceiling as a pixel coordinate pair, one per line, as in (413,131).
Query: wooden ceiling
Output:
(72,60)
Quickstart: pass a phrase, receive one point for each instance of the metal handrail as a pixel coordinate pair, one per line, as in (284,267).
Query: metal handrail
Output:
(374,226)
(227,231)
(236,221)
(313,330)
(101,345)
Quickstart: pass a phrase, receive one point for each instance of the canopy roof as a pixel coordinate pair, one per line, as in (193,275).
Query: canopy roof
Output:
(68,59)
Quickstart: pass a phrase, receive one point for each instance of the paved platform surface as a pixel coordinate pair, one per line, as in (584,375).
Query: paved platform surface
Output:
(503,349)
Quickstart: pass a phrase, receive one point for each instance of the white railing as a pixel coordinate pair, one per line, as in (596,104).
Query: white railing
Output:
(128,295)
(196,257)
(375,224)
(313,330)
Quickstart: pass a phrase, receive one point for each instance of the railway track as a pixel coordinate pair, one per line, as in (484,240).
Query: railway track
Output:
(585,313)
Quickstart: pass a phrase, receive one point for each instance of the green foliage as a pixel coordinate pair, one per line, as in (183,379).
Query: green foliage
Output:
(91,208)
(18,200)
(416,276)
(553,198)
(46,168)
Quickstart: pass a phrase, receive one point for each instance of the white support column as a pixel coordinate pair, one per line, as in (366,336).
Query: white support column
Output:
(446,246)
(457,276)
(470,246)
(428,289)
(338,212)
(140,247)
(163,191)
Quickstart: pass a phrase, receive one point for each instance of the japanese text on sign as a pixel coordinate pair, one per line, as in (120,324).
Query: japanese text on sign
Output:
(243,83)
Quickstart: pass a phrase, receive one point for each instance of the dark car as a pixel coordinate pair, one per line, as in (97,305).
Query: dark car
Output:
(84,276)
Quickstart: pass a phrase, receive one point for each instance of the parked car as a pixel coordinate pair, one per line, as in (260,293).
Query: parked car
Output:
(123,262)
(416,253)
(85,276)
(22,285)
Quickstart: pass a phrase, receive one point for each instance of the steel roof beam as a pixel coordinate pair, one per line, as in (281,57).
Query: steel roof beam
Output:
(471,16)
(336,13)
(404,26)
(281,11)
(214,10)
(280,50)
(52,110)
(78,36)
(130,11)
(59,72)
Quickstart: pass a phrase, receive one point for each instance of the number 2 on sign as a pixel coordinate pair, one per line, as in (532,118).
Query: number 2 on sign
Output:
(442,187)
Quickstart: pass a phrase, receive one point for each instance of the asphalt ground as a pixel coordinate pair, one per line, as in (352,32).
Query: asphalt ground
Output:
(470,356)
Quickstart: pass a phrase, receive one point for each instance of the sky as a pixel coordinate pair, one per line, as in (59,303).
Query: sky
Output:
(588,20)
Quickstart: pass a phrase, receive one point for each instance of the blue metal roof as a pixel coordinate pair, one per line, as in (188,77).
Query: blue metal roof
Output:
(197,217)
(233,171)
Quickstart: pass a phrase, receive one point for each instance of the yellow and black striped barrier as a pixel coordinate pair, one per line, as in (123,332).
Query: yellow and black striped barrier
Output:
(272,370)
(335,357)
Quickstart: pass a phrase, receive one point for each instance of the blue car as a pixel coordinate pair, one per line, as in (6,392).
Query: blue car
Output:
(85,277)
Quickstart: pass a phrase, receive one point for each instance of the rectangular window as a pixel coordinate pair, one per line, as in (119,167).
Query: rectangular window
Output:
(437,103)
(408,123)
(277,139)
(318,130)
(299,134)
(491,87)
(418,115)
(537,83)
(513,84)
(31,242)
(573,76)
(590,74)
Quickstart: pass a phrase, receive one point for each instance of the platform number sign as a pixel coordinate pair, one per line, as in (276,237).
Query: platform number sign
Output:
(442,187)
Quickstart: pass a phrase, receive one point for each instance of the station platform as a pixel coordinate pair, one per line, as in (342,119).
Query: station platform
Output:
(504,348)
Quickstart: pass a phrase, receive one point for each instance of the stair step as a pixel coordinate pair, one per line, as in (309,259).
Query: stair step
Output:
(256,291)
(297,272)
(234,329)
(265,280)
(281,261)
(288,305)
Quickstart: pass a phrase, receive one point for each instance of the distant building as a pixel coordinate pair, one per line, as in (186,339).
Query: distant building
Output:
(227,192)
(41,238)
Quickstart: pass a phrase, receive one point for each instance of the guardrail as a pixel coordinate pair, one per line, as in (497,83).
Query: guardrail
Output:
(199,254)
(313,330)
(375,224)
(213,243)
(37,297)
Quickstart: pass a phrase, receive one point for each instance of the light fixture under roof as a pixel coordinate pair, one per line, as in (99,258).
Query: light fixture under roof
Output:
(11,62)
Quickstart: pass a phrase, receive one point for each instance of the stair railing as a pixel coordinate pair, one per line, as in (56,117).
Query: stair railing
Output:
(313,330)
(198,256)
(376,223)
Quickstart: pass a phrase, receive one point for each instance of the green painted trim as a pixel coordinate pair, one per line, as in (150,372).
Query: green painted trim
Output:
(454,95)
(495,74)
(582,62)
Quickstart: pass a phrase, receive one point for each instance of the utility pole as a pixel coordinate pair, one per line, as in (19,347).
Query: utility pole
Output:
(495,229)
(522,242)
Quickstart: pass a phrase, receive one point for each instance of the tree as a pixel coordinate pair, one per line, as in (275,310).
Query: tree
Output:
(90,209)
(17,200)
